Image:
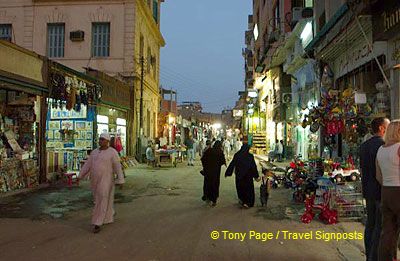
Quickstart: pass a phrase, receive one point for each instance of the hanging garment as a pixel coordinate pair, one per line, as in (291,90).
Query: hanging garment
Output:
(118,144)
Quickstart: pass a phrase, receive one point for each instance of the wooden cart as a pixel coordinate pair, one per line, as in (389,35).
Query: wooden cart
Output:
(166,157)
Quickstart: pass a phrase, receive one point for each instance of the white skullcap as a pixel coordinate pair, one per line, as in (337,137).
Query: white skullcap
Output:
(105,136)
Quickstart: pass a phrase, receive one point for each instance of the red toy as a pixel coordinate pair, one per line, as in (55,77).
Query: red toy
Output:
(327,215)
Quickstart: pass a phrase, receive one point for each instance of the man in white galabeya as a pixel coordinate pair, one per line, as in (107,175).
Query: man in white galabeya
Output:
(102,164)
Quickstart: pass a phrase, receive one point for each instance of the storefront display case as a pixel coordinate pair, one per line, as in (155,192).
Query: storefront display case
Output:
(19,139)
(69,138)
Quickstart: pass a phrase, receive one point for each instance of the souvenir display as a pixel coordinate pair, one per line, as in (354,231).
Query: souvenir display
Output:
(18,132)
(72,93)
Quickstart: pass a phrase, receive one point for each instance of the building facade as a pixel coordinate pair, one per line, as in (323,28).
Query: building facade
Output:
(120,38)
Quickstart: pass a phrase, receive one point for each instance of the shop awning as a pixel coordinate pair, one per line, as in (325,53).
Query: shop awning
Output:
(13,83)
(327,27)
(21,69)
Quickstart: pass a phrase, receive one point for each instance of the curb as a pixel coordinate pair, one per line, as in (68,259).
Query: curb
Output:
(24,191)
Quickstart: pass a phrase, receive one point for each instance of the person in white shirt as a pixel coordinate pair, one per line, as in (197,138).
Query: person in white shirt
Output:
(388,175)
(101,166)
(227,148)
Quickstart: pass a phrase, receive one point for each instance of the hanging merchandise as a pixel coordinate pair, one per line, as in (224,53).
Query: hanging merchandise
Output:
(118,144)
(381,104)
(72,92)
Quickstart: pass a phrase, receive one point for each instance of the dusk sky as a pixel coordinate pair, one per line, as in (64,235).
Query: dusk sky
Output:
(202,58)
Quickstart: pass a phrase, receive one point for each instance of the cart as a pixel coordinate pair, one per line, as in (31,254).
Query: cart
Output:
(349,201)
(166,157)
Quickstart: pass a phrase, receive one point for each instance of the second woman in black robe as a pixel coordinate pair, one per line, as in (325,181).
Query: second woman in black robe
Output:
(212,161)
(245,168)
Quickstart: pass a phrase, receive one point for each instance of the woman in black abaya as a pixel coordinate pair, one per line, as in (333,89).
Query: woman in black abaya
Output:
(212,161)
(245,168)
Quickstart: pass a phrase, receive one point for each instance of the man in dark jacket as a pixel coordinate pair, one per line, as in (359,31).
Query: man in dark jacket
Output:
(371,187)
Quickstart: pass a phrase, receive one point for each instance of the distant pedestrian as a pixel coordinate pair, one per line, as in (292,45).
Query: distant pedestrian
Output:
(213,142)
(283,149)
(245,168)
(212,161)
(208,146)
(102,164)
(189,144)
(227,148)
(371,187)
(279,150)
(388,173)
(238,145)
(151,159)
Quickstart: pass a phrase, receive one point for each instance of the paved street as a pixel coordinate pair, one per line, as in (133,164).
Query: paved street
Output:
(160,217)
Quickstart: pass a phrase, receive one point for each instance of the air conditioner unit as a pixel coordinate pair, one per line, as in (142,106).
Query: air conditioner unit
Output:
(286,97)
(153,60)
(296,14)
(77,36)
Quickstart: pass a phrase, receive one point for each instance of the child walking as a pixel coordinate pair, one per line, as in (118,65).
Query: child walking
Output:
(266,185)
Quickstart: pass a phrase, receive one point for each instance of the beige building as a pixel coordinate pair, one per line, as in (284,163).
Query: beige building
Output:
(107,35)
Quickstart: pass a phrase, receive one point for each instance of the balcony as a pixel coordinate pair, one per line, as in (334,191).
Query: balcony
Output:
(248,37)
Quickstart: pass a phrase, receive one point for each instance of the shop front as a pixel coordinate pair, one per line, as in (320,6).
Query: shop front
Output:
(23,90)
(70,131)
(114,121)
(386,28)
(167,128)
(113,112)
(353,91)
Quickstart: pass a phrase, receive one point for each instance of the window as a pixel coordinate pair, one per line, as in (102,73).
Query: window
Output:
(148,59)
(55,40)
(100,39)
(297,3)
(148,132)
(6,32)
(141,46)
(308,3)
(277,16)
(154,64)
(155,10)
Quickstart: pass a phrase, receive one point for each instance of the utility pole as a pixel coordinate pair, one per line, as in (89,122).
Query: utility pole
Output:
(139,140)
(141,95)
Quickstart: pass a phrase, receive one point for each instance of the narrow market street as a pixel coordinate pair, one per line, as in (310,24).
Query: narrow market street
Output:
(160,216)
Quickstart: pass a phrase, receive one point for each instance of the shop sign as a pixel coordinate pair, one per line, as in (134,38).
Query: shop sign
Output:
(114,91)
(117,94)
(357,56)
(17,61)
(386,20)
(62,113)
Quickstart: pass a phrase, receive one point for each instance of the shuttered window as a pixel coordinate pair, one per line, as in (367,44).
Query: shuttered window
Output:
(100,39)
(155,10)
(6,32)
(55,40)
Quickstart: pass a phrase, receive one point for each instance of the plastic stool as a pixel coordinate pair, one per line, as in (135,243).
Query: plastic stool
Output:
(70,179)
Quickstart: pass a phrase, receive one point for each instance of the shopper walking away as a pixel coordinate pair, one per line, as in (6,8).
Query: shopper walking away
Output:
(245,169)
(189,144)
(388,175)
(238,145)
(227,148)
(102,164)
(202,146)
(212,161)
(279,150)
(371,187)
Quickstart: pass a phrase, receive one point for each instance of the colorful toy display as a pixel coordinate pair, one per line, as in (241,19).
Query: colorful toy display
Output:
(325,192)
